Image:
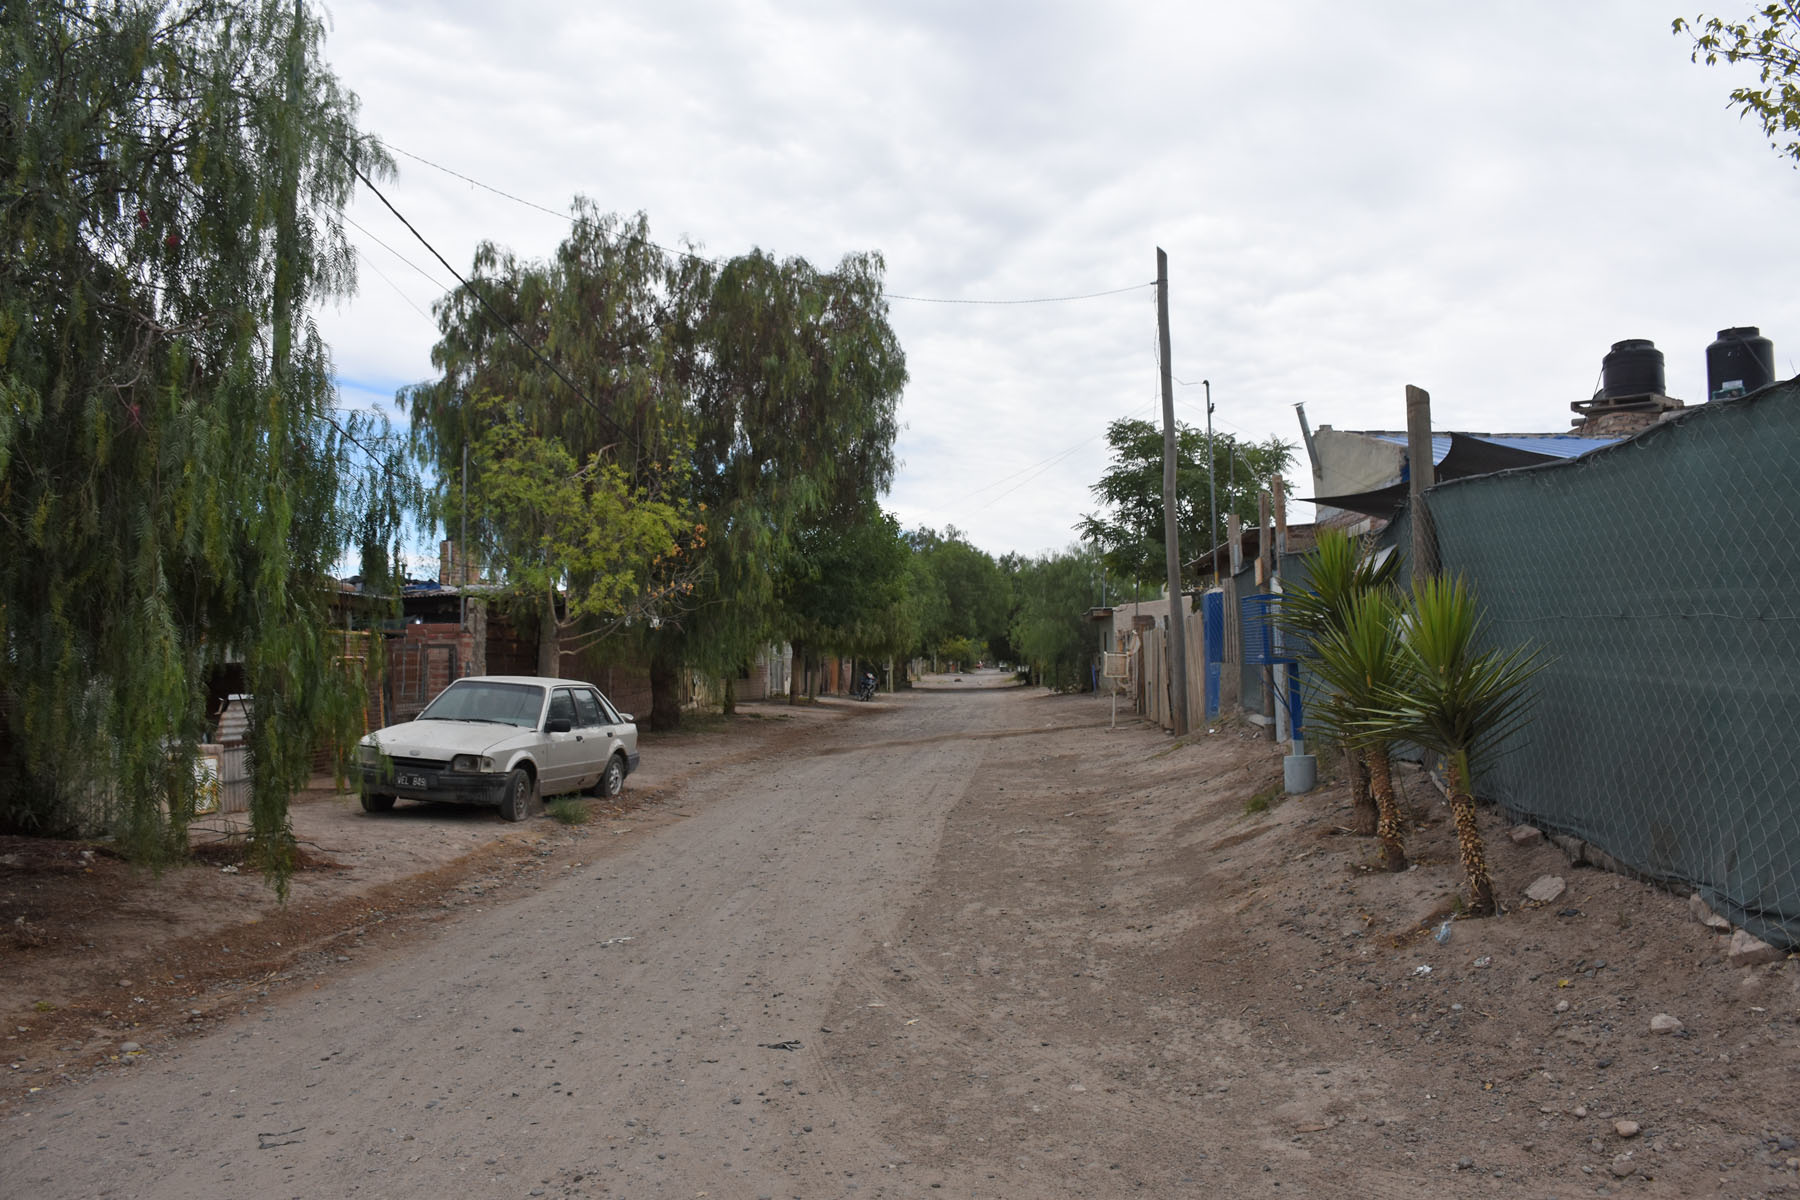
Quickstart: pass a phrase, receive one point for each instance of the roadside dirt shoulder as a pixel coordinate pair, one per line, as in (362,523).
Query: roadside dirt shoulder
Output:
(98,956)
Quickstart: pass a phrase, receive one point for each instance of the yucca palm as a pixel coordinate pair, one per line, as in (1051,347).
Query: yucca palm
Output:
(1360,664)
(1459,701)
(1339,570)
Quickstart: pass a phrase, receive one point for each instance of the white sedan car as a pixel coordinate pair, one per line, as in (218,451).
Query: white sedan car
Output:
(501,740)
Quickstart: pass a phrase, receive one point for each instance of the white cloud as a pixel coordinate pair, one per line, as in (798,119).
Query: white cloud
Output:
(1476,199)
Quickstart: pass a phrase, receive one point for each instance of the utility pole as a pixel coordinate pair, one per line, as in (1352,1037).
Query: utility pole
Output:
(1421,472)
(1212,486)
(1178,698)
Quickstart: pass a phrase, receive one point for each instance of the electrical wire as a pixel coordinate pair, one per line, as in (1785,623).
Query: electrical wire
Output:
(692,257)
(489,309)
(423,273)
(1032,300)
(363,258)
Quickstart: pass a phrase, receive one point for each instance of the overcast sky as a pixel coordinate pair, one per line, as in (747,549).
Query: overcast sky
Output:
(1475,198)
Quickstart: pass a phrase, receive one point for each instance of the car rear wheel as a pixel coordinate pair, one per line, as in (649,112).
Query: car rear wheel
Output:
(374,802)
(612,780)
(515,805)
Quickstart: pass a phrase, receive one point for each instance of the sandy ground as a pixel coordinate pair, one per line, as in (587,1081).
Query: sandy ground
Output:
(964,941)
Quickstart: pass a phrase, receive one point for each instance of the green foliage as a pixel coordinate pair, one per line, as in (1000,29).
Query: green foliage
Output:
(966,597)
(1050,629)
(794,414)
(760,393)
(1339,571)
(569,810)
(1357,664)
(610,548)
(844,588)
(962,653)
(1130,530)
(1769,40)
(1456,699)
(176,483)
(1263,801)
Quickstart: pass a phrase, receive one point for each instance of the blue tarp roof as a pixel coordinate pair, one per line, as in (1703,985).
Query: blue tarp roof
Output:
(1551,445)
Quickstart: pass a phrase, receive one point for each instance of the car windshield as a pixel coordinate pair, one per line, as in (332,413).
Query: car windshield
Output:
(502,703)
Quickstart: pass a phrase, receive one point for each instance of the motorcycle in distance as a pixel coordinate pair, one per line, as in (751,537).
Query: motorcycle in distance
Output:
(865,687)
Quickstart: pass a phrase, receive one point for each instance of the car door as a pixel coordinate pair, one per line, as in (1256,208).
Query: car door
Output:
(563,749)
(621,735)
(592,736)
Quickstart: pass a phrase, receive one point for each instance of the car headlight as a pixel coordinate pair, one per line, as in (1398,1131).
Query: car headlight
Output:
(471,762)
(368,754)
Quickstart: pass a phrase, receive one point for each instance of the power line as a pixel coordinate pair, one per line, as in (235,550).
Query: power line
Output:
(423,273)
(701,258)
(362,257)
(1032,300)
(489,309)
(561,216)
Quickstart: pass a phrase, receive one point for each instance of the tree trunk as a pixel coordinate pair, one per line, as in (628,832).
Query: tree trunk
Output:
(549,640)
(796,672)
(1365,818)
(665,690)
(730,705)
(1468,839)
(1381,784)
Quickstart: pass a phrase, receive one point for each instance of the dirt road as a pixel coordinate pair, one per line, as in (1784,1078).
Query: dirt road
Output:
(973,943)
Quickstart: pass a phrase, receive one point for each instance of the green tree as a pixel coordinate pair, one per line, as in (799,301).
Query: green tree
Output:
(769,388)
(1458,700)
(176,481)
(1338,573)
(844,589)
(1358,659)
(976,597)
(582,359)
(1769,40)
(583,548)
(1130,528)
(1050,628)
(793,413)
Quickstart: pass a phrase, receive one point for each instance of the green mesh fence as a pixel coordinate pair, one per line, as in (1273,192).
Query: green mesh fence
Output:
(1661,577)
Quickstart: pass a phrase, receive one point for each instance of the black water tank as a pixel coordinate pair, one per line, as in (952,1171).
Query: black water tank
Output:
(1633,368)
(1742,360)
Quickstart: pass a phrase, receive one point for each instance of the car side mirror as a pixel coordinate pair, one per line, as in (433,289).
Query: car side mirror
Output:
(558,725)
(627,719)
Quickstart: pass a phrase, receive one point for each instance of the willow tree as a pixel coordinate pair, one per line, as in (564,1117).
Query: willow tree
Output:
(761,390)
(584,358)
(176,484)
(793,412)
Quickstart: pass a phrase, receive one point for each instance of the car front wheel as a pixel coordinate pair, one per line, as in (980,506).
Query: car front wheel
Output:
(515,805)
(374,802)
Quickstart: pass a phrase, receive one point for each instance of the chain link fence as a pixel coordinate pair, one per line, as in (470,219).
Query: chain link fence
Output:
(1661,578)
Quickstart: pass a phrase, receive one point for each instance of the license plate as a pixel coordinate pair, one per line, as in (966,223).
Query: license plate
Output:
(412,781)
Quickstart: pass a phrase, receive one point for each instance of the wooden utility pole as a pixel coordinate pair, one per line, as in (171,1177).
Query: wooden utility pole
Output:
(1284,678)
(1231,672)
(1265,553)
(1421,474)
(1177,644)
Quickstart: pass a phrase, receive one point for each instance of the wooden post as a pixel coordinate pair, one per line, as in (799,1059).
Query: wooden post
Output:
(1421,474)
(1265,549)
(1283,677)
(1231,671)
(1177,644)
